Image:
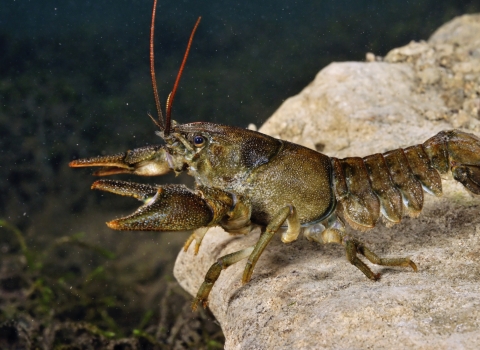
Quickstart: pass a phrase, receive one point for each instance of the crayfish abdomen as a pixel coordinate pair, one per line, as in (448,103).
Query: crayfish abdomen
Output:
(391,184)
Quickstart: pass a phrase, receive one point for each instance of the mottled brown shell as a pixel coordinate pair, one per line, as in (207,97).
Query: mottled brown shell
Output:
(391,184)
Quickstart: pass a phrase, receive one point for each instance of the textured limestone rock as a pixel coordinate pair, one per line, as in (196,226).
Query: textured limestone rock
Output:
(307,296)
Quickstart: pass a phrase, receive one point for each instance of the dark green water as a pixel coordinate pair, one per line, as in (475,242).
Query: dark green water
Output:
(74,82)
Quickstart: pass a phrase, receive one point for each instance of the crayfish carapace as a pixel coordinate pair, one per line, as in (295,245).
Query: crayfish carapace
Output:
(245,179)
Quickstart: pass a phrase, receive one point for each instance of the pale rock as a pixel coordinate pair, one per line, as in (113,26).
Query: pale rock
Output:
(307,296)
(430,75)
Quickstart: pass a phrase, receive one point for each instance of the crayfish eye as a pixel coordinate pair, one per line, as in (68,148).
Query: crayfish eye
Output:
(198,141)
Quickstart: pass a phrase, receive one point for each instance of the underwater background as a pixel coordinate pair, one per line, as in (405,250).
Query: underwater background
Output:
(75,82)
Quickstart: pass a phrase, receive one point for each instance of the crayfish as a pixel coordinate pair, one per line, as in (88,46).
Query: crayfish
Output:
(245,179)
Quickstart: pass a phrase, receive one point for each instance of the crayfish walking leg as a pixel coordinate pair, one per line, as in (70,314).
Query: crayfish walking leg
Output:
(287,213)
(214,272)
(334,232)
(253,253)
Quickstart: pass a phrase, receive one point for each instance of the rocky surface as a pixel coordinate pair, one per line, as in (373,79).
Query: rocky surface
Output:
(307,296)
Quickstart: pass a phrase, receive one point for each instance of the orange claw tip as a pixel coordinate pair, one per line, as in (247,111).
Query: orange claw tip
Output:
(100,185)
(114,225)
(124,224)
(131,224)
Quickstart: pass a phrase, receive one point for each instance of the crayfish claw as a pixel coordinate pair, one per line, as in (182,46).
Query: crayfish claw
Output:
(111,160)
(172,208)
(112,164)
(143,161)
(131,189)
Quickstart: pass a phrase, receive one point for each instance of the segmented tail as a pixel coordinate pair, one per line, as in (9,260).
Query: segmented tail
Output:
(392,183)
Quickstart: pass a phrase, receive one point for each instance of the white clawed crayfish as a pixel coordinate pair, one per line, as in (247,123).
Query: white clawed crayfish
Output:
(245,179)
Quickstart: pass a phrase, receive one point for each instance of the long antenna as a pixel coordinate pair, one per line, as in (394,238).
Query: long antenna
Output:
(167,125)
(152,73)
(175,86)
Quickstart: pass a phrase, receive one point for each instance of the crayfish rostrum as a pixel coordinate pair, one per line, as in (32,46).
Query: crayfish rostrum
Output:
(245,179)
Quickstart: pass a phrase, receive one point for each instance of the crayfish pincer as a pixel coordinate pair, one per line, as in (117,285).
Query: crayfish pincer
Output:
(245,179)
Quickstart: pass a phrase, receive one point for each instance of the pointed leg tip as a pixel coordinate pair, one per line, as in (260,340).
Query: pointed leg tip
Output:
(200,301)
(195,304)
